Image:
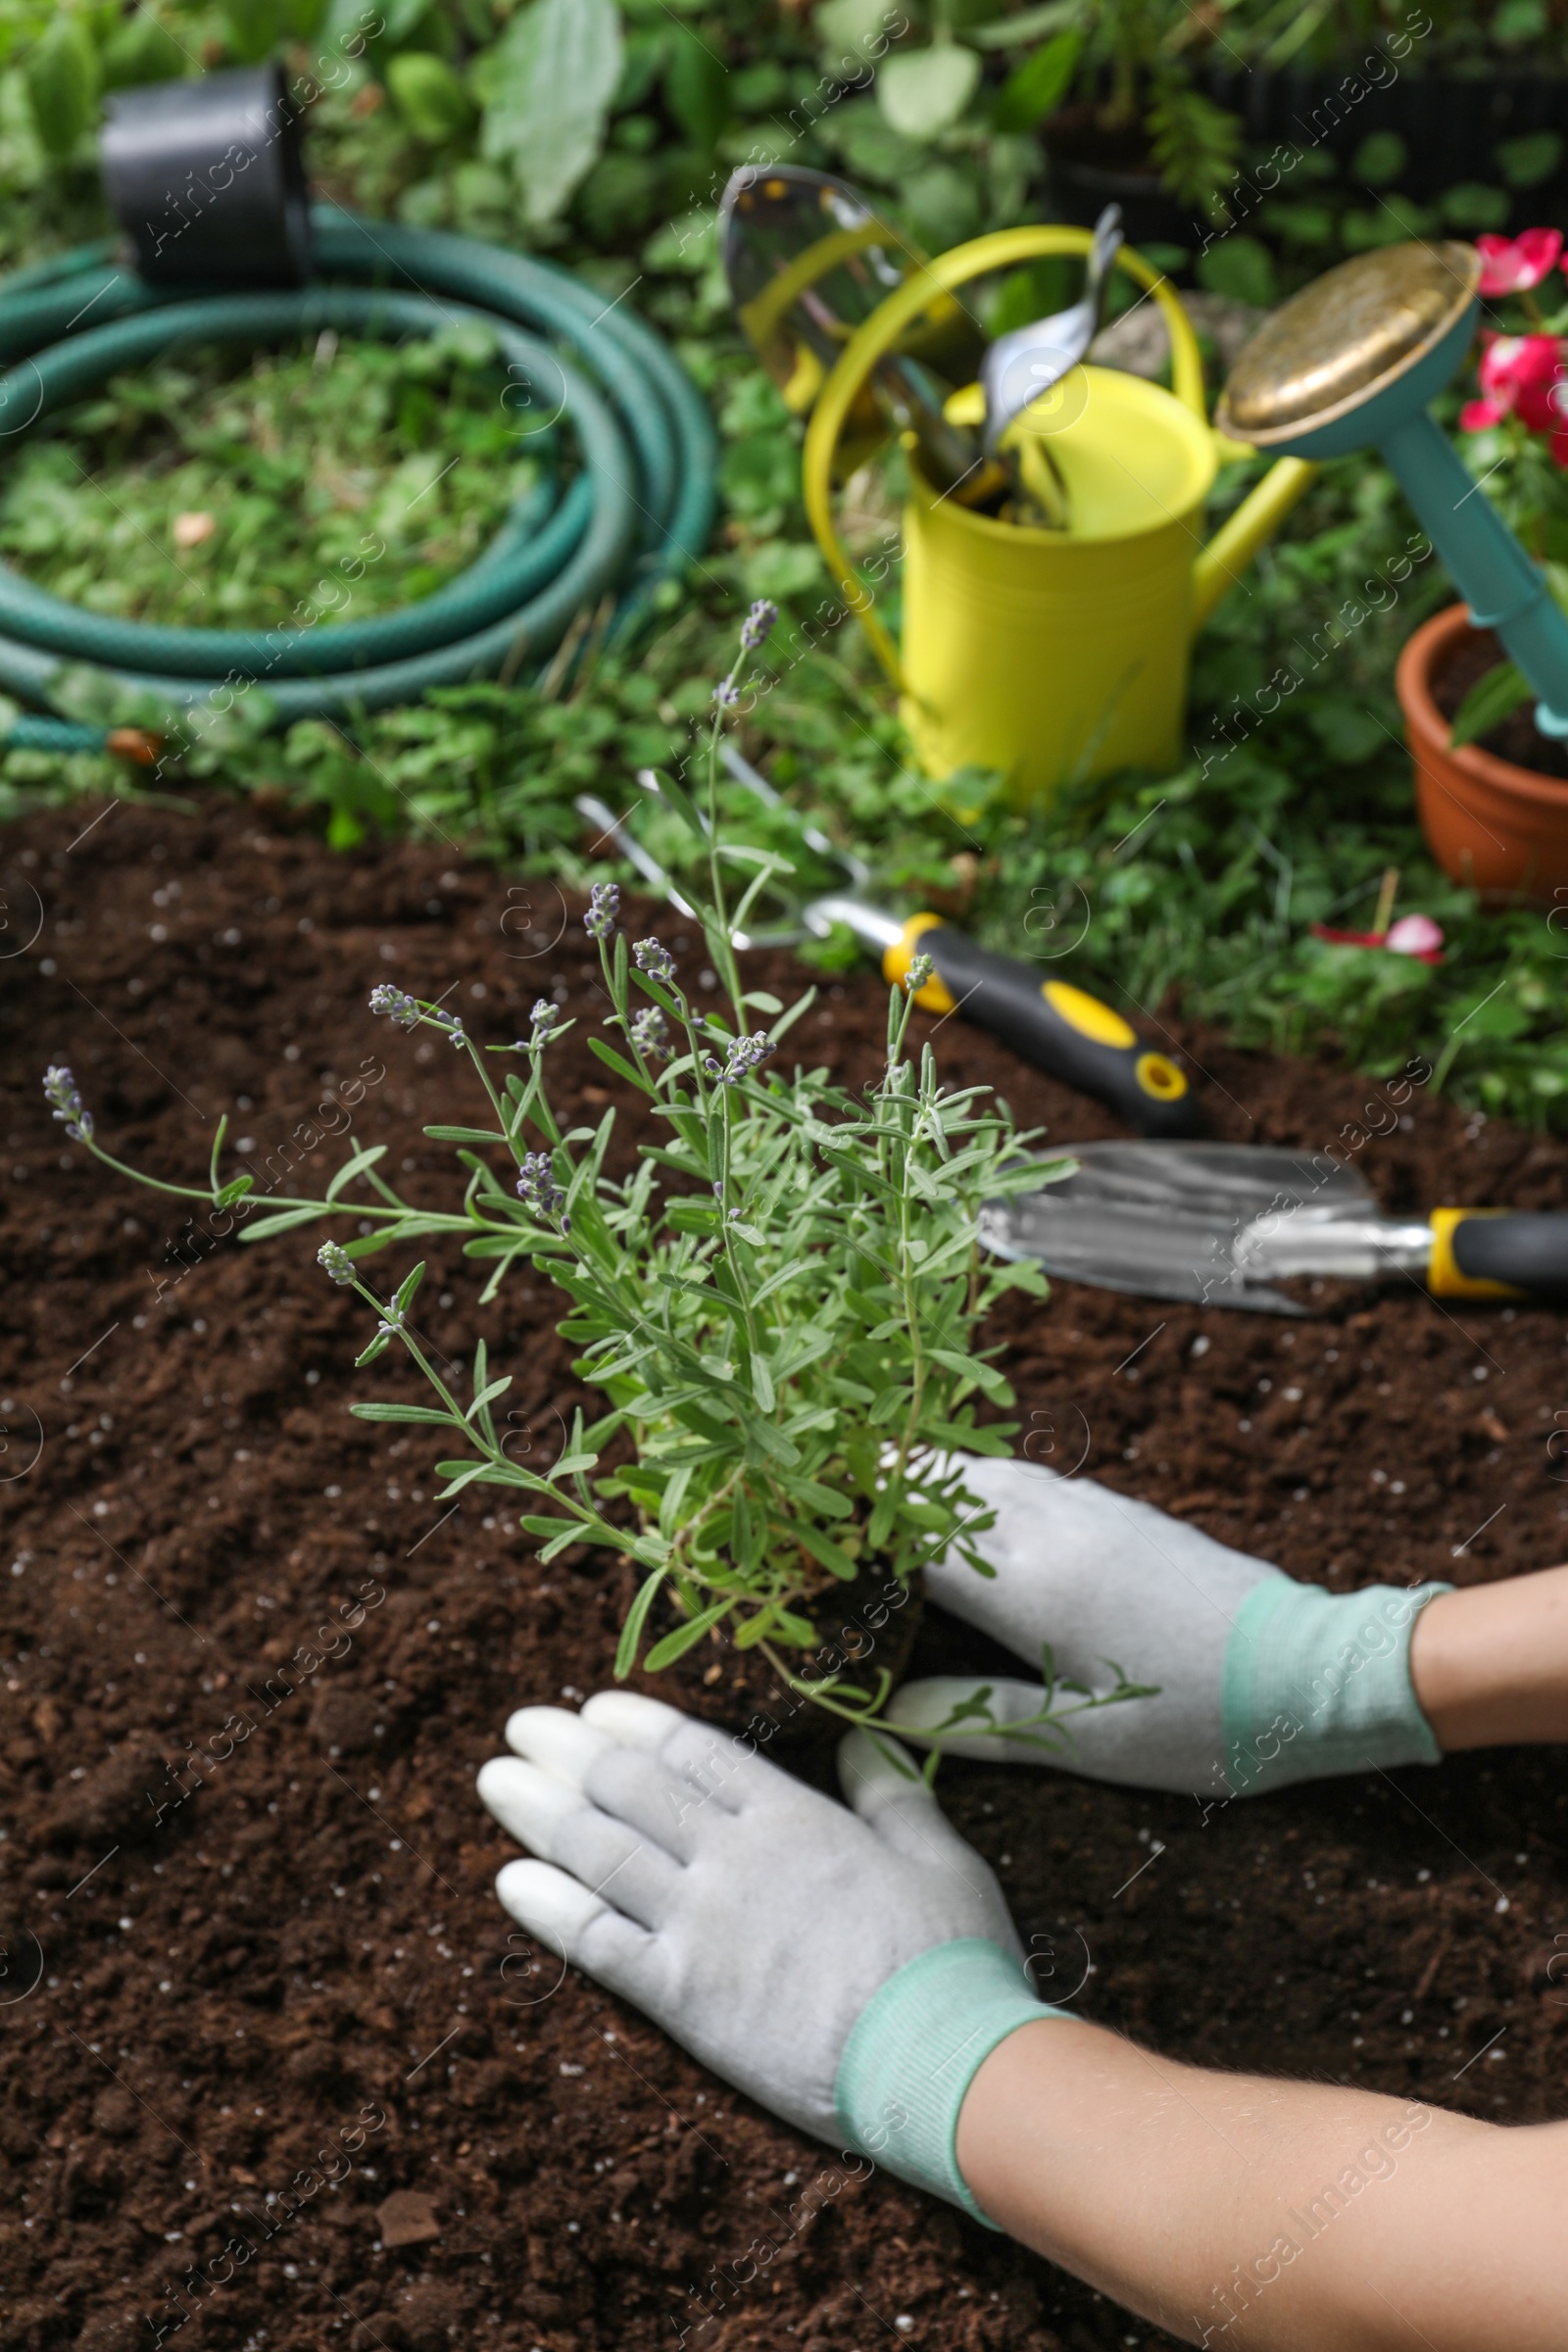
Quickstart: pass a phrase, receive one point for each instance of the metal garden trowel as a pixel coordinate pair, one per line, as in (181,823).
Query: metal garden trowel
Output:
(1220,1224)
(808,259)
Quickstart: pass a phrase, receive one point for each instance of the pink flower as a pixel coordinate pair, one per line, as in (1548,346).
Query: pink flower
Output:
(1514,265)
(1416,935)
(1519,371)
(1521,375)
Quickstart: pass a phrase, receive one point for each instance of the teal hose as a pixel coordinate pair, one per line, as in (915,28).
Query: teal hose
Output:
(638,511)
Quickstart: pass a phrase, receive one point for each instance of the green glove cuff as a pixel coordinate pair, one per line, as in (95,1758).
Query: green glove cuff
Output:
(914,2051)
(1317,1683)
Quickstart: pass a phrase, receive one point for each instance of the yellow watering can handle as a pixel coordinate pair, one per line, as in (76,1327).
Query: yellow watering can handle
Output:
(1002,250)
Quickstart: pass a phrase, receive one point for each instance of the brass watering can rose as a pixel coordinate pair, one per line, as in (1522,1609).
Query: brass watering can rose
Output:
(1344,337)
(1350,364)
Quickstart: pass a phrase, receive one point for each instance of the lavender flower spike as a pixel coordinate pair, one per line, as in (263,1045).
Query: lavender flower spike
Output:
(65,1093)
(745,1055)
(758,622)
(537,1187)
(334,1260)
(650,1033)
(397,1002)
(654,958)
(726,694)
(604,907)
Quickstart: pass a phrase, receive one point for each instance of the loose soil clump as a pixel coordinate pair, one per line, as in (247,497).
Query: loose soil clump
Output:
(251,1668)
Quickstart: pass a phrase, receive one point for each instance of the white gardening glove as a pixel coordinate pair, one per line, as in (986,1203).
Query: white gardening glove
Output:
(1259,1680)
(848,1970)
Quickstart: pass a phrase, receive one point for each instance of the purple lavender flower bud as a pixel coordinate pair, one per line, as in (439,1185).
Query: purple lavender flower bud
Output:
(545,1018)
(650,1033)
(537,1187)
(655,959)
(726,694)
(604,907)
(745,1055)
(757,623)
(397,1002)
(65,1093)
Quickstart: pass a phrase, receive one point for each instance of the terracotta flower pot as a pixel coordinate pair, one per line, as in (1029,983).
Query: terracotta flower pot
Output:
(1503,828)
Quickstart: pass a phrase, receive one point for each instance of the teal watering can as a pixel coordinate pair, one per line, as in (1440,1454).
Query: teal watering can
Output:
(1350,363)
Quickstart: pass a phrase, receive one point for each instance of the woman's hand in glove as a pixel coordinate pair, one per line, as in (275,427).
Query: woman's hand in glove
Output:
(849,1969)
(1257,1680)
(857,1972)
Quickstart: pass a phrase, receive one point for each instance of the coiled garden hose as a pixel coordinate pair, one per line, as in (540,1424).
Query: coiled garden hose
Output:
(636,512)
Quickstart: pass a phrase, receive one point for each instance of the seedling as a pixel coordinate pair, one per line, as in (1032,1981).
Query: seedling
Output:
(779,1303)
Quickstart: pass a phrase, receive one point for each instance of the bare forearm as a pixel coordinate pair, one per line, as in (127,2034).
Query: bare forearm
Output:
(1490,1665)
(1282,2217)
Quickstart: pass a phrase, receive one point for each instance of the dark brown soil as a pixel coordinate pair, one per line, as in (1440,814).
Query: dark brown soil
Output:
(210,1973)
(1517,737)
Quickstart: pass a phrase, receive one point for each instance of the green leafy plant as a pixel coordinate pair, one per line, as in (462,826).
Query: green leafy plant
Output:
(1134,70)
(63,79)
(1503,690)
(549,83)
(1035,89)
(779,1302)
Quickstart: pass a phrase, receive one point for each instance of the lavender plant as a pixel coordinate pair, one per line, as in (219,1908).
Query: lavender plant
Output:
(779,1303)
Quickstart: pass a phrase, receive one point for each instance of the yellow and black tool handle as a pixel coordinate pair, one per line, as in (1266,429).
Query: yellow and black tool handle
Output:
(1060,1028)
(1498,1254)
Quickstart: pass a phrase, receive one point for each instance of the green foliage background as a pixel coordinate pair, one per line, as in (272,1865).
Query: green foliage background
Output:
(1205,881)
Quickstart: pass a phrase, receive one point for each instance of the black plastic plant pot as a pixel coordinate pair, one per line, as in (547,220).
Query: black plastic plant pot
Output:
(1088,168)
(206,178)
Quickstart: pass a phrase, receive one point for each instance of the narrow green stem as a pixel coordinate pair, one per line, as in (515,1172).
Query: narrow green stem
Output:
(723,945)
(496,1103)
(470,1432)
(430,1220)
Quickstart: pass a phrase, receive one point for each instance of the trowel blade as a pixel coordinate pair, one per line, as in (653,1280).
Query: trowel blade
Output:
(771,223)
(1160,1220)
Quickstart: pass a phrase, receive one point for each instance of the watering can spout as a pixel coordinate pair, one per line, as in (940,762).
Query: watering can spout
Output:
(1221,562)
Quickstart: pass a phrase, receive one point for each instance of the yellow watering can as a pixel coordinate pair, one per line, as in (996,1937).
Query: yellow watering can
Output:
(1053,655)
